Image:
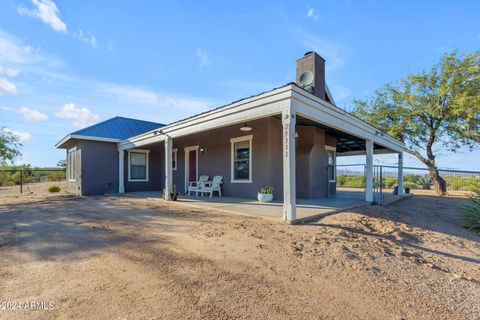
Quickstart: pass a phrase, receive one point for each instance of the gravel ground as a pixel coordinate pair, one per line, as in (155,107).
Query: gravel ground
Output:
(34,188)
(130,258)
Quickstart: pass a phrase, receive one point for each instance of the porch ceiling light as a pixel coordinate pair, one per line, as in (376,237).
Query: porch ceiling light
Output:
(245,127)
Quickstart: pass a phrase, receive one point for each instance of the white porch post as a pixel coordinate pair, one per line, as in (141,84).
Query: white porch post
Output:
(168,167)
(121,171)
(289,186)
(369,173)
(400,173)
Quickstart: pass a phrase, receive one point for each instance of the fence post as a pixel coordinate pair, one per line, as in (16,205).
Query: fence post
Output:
(381,185)
(400,174)
(369,176)
(21,181)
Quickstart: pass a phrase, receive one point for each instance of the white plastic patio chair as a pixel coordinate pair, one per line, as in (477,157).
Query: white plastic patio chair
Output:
(212,186)
(197,186)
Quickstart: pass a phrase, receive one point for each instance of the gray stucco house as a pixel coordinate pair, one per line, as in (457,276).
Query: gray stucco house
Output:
(287,138)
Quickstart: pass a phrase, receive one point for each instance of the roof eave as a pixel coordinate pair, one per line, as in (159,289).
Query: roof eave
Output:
(61,143)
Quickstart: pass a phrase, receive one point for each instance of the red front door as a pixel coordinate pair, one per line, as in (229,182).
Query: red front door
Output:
(192,166)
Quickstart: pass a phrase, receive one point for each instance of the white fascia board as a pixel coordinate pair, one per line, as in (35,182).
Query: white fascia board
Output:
(81,137)
(102,139)
(65,139)
(363,152)
(232,118)
(264,105)
(329,94)
(321,111)
(136,142)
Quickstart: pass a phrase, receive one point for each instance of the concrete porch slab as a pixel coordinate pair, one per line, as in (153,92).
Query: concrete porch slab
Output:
(306,208)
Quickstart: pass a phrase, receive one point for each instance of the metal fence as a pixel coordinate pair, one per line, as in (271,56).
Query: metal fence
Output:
(32,181)
(416,181)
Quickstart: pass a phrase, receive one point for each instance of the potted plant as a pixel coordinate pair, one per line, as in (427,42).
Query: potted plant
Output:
(265,194)
(173,194)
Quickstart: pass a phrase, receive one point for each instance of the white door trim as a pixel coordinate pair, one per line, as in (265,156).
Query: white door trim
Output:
(187,164)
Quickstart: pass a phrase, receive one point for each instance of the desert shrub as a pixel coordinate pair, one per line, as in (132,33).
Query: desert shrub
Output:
(461,183)
(389,182)
(341,179)
(56,176)
(409,178)
(53,189)
(15,178)
(471,210)
(353,181)
(424,181)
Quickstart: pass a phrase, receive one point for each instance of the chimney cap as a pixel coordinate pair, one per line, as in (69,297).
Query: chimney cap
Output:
(309,53)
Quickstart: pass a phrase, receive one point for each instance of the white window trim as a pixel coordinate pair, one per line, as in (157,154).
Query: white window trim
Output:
(147,153)
(248,138)
(334,163)
(175,158)
(69,164)
(187,165)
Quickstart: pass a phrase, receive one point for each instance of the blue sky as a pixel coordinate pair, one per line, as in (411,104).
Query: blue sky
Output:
(67,64)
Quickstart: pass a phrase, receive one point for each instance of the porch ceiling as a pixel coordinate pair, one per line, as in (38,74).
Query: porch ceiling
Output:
(346,143)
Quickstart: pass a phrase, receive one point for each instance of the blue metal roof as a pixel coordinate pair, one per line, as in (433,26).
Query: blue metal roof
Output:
(118,128)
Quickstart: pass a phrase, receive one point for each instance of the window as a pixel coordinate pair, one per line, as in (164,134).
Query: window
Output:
(72,164)
(332,162)
(138,165)
(242,159)
(174,159)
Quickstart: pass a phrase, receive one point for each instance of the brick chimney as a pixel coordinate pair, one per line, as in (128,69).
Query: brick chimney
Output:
(311,74)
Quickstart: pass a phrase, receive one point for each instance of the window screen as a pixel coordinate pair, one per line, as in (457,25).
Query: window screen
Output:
(138,166)
(331,164)
(72,164)
(241,165)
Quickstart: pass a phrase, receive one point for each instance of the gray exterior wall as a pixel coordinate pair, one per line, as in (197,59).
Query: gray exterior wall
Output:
(156,170)
(267,165)
(96,168)
(97,162)
(312,163)
(100,167)
(216,158)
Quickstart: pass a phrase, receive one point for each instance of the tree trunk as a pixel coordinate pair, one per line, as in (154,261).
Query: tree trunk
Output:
(439,183)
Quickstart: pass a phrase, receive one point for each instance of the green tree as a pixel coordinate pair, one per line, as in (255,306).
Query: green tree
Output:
(62,164)
(431,109)
(9,146)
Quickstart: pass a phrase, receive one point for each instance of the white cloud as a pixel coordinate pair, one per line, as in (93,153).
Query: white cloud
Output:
(15,56)
(204,58)
(132,94)
(13,52)
(9,72)
(47,11)
(81,117)
(311,14)
(86,38)
(7,86)
(334,54)
(32,115)
(161,99)
(22,135)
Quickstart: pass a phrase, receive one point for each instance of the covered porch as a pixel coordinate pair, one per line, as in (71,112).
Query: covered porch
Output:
(291,143)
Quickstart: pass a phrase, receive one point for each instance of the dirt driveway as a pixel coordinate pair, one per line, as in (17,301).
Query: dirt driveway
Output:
(128,258)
